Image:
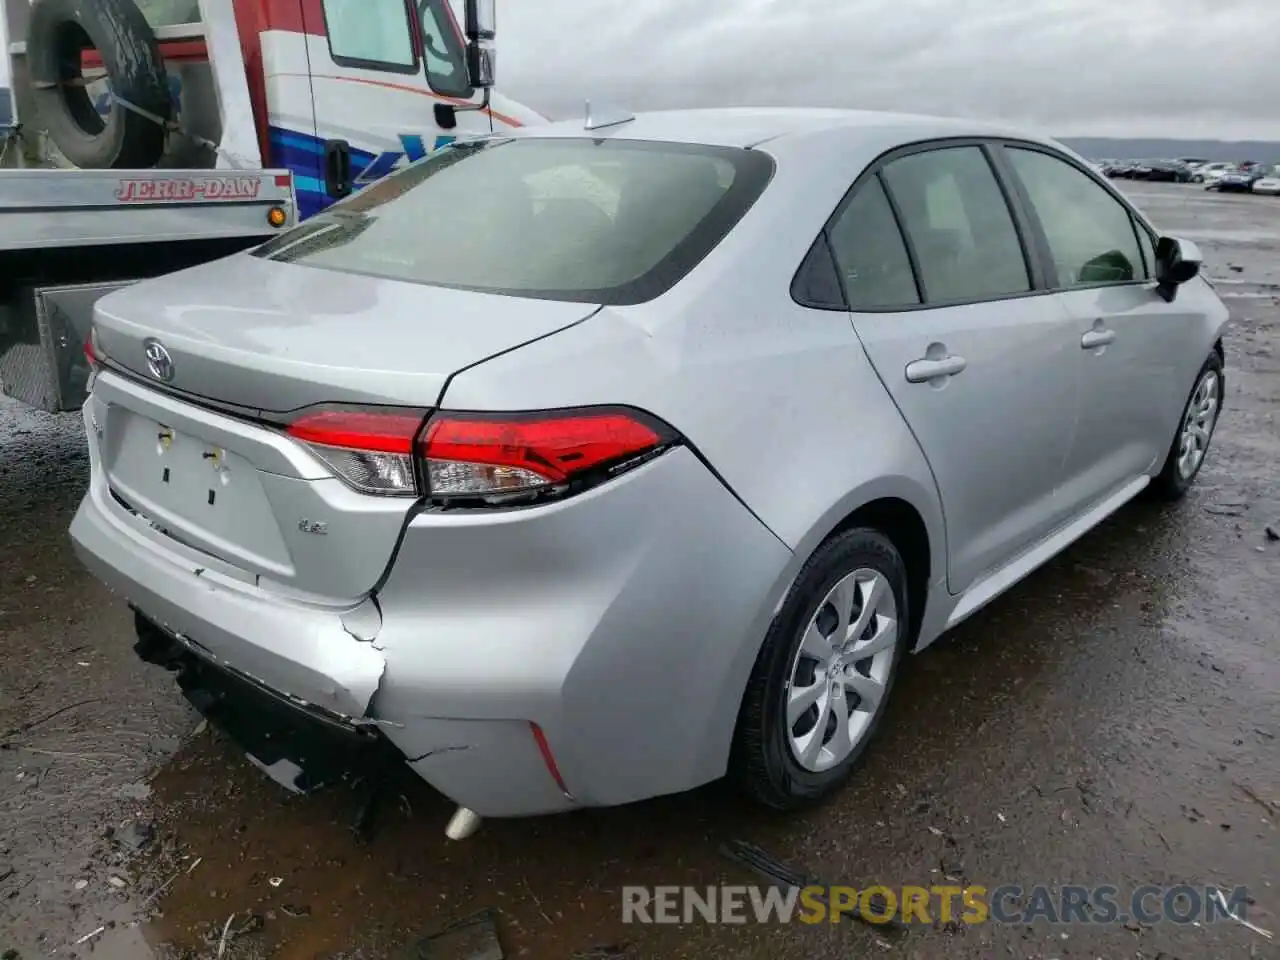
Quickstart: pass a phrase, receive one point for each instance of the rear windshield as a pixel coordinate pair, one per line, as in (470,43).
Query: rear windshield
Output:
(598,221)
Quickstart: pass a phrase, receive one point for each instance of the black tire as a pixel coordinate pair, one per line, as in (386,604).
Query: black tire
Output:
(58,32)
(762,761)
(1169,484)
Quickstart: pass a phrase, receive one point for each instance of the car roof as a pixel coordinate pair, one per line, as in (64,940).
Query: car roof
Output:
(752,126)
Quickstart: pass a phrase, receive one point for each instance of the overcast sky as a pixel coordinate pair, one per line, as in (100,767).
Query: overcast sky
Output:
(1192,68)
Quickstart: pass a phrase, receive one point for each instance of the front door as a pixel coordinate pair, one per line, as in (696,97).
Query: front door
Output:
(1126,337)
(982,370)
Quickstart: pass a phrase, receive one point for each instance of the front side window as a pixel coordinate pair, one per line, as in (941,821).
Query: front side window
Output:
(608,221)
(870,253)
(1091,234)
(959,225)
(443,50)
(374,34)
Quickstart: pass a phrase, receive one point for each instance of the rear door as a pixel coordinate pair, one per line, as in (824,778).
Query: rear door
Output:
(1126,338)
(943,297)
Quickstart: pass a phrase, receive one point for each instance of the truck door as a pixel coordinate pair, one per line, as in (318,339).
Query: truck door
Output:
(377,70)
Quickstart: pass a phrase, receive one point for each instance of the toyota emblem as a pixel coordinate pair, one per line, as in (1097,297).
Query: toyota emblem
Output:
(158,360)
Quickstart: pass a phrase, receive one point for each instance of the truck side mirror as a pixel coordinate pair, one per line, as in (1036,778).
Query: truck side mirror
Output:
(481,29)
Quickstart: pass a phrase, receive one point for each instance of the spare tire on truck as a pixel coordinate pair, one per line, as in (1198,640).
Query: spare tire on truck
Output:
(58,34)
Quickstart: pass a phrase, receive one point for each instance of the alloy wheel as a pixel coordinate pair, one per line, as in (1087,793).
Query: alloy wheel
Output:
(841,670)
(1197,426)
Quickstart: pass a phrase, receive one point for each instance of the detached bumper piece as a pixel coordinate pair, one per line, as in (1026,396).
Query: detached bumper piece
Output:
(301,747)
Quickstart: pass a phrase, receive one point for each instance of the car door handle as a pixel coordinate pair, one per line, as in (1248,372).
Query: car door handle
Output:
(1097,338)
(924,370)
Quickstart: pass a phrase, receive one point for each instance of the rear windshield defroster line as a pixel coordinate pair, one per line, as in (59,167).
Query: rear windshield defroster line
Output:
(594,221)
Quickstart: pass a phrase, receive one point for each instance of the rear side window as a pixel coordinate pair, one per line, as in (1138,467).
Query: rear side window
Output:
(959,225)
(1091,234)
(374,34)
(870,253)
(608,221)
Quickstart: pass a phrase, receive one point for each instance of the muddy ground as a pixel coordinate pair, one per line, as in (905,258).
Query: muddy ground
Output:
(1113,720)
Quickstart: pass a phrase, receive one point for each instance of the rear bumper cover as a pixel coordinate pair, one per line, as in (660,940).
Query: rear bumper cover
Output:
(623,623)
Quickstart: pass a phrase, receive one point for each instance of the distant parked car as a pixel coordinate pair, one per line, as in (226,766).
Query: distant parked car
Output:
(1170,171)
(1239,180)
(1209,172)
(1270,184)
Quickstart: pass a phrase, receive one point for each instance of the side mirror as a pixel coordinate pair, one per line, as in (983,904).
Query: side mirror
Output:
(481,29)
(1177,261)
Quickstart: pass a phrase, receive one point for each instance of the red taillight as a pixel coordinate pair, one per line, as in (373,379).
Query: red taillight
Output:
(91,352)
(489,458)
(371,449)
(487,455)
(373,430)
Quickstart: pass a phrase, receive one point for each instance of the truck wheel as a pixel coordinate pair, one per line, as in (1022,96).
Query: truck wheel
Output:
(60,30)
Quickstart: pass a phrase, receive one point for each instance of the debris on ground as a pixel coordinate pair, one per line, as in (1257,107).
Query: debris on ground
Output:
(289,910)
(1222,902)
(230,932)
(1227,508)
(473,938)
(135,791)
(1273,531)
(1264,804)
(133,835)
(118,882)
(276,881)
(89,936)
(614,951)
(780,874)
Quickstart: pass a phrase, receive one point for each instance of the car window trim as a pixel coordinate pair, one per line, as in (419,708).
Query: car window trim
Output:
(1136,219)
(913,258)
(381,66)
(1021,222)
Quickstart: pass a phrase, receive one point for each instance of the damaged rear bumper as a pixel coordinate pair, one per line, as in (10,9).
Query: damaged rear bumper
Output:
(305,651)
(300,746)
(244,656)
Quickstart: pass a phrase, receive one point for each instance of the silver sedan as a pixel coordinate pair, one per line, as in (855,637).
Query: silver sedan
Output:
(587,465)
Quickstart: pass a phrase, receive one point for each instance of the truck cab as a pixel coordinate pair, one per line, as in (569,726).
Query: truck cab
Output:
(353,89)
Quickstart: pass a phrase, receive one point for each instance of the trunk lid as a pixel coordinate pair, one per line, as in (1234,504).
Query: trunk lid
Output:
(271,336)
(263,336)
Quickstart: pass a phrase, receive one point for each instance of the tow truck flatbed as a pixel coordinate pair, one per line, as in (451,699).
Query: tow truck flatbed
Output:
(60,208)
